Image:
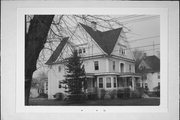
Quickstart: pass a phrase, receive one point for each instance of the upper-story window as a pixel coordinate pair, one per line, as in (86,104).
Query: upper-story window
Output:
(84,50)
(59,68)
(122,51)
(158,75)
(96,65)
(80,51)
(60,84)
(122,67)
(115,82)
(113,65)
(130,68)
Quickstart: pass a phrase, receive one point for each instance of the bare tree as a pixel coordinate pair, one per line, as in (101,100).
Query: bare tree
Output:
(34,43)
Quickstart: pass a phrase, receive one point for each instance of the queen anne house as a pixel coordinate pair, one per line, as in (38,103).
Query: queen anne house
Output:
(108,61)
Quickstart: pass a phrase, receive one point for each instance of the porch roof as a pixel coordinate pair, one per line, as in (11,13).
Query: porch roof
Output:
(126,74)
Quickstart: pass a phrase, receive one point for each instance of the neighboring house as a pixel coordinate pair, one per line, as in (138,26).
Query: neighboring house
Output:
(39,86)
(149,67)
(109,63)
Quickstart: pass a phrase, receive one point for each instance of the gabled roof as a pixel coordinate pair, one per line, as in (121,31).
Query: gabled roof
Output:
(153,62)
(106,40)
(57,52)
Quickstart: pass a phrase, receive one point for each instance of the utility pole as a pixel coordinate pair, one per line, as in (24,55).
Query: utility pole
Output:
(153,48)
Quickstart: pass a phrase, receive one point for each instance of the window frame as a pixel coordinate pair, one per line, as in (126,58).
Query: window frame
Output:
(108,84)
(114,65)
(130,68)
(158,76)
(100,78)
(96,67)
(59,86)
(114,82)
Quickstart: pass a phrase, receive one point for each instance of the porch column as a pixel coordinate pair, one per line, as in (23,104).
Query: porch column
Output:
(133,83)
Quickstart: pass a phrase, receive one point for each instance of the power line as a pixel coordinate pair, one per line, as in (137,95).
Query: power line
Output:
(144,38)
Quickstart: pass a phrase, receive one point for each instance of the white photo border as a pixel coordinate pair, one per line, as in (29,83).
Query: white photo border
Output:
(12,56)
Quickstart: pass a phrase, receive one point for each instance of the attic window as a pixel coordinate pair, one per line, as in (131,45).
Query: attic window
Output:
(80,51)
(84,50)
(122,51)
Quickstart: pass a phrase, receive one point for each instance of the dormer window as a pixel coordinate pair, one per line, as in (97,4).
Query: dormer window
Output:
(80,51)
(84,50)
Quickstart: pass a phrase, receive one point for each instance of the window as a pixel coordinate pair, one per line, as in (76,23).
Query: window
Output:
(80,51)
(96,65)
(60,84)
(59,68)
(158,75)
(122,51)
(129,68)
(122,67)
(46,85)
(84,50)
(108,82)
(113,65)
(146,85)
(100,82)
(115,82)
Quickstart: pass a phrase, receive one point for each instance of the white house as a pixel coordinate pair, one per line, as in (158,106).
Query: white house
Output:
(150,68)
(109,63)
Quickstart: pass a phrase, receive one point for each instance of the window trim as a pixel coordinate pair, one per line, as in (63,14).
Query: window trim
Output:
(100,82)
(108,84)
(130,68)
(114,65)
(114,82)
(96,66)
(120,67)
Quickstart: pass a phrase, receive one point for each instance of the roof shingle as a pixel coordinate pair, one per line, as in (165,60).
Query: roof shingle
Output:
(57,52)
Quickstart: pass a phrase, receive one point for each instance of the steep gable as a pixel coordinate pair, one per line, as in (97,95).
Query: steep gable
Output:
(106,40)
(57,52)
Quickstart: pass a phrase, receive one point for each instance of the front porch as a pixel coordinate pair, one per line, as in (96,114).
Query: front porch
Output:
(111,82)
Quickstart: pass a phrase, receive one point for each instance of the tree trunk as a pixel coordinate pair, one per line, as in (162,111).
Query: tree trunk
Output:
(34,43)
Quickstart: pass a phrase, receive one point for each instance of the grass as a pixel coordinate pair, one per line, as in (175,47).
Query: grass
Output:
(106,102)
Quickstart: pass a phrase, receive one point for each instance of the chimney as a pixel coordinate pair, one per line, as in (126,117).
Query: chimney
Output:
(93,25)
(144,56)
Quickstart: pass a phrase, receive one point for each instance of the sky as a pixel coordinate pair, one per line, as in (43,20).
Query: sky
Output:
(145,32)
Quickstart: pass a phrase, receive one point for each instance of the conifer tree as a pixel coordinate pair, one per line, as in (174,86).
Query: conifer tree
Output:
(75,77)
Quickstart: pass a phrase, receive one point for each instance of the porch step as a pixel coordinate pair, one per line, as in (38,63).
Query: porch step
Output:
(145,96)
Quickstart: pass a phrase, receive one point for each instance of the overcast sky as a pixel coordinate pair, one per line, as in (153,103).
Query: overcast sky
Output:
(145,32)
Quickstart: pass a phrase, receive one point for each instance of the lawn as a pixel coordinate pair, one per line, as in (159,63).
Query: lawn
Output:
(106,102)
